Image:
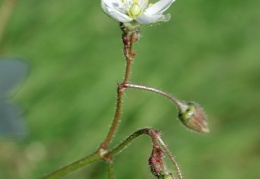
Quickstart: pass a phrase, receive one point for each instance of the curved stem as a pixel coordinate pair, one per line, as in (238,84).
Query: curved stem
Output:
(167,95)
(155,137)
(168,152)
(126,142)
(96,156)
(178,103)
(74,166)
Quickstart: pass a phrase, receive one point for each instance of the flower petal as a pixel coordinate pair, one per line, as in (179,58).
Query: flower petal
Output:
(118,16)
(143,4)
(115,13)
(114,4)
(159,7)
(128,3)
(148,18)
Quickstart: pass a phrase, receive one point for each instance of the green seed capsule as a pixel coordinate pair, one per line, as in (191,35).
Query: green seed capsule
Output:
(193,117)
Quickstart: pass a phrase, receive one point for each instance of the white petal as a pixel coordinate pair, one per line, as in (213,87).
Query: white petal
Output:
(118,16)
(148,19)
(115,14)
(143,4)
(159,7)
(114,4)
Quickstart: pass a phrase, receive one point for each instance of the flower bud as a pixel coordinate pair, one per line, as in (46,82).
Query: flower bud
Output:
(155,161)
(155,165)
(193,116)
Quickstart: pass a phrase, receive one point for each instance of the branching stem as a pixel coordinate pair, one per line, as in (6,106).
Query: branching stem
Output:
(73,166)
(128,38)
(167,95)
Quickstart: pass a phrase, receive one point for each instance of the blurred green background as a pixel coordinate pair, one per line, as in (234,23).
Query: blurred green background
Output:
(209,53)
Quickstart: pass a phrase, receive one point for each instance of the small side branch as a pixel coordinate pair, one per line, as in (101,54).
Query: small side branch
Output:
(147,88)
(190,114)
(168,152)
(74,166)
(158,166)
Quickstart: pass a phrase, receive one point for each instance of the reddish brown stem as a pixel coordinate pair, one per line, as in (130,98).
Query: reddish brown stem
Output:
(128,38)
(115,122)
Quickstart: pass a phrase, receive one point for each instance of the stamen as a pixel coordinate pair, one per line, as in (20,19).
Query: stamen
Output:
(135,1)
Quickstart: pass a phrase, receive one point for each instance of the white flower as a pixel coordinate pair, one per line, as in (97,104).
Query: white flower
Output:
(127,11)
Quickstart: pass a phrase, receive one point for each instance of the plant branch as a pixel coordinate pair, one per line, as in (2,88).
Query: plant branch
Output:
(155,137)
(111,169)
(168,152)
(73,166)
(128,38)
(96,156)
(126,142)
(167,95)
(116,120)
(109,155)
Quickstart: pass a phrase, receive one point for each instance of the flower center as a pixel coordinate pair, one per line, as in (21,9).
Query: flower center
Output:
(135,10)
(133,7)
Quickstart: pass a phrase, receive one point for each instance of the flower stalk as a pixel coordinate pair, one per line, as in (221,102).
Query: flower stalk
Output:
(73,166)
(156,162)
(190,113)
(128,38)
(132,14)
(157,154)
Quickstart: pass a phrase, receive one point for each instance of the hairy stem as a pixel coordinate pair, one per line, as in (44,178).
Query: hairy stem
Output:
(167,95)
(128,38)
(96,156)
(126,142)
(168,152)
(111,169)
(116,120)
(155,137)
(173,99)
(109,155)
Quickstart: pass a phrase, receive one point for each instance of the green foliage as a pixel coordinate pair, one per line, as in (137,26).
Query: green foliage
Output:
(208,52)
